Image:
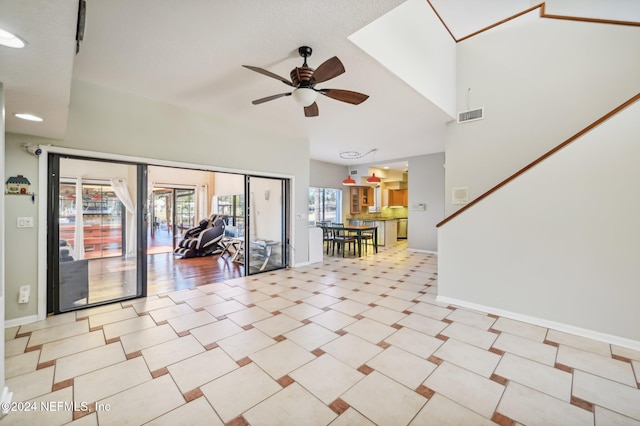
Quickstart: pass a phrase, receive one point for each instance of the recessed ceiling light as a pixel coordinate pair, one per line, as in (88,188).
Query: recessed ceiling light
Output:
(27,116)
(9,40)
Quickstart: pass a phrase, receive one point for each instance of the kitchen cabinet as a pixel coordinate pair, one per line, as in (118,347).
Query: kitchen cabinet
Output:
(359,197)
(391,232)
(398,197)
(380,225)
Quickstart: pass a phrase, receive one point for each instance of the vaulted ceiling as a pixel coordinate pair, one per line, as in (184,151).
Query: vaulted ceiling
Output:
(189,53)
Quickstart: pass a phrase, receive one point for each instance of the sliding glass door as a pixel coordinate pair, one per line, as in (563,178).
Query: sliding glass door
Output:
(184,212)
(266,238)
(95,243)
(100,220)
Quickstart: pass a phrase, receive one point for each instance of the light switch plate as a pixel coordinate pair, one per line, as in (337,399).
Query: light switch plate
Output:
(25,222)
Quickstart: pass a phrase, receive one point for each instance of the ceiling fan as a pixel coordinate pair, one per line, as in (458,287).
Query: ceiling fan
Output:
(304,80)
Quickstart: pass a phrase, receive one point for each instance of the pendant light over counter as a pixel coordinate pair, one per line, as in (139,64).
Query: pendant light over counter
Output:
(349,181)
(373,179)
(355,155)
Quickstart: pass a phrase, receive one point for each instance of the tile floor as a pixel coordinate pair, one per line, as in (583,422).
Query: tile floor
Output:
(345,342)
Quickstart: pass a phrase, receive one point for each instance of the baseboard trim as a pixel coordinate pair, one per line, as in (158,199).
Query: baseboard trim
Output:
(422,251)
(20,321)
(566,328)
(301,264)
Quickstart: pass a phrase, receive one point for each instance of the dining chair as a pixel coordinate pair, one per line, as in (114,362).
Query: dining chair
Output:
(354,222)
(367,236)
(341,238)
(327,234)
(334,225)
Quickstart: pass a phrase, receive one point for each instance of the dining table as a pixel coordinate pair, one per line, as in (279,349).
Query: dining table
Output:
(357,231)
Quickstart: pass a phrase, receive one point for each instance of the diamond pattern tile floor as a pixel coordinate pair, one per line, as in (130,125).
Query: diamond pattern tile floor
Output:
(343,342)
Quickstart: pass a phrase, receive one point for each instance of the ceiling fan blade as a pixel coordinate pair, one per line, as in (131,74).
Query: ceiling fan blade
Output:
(311,110)
(328,69)
(270,98)
(347,96)
(269,74)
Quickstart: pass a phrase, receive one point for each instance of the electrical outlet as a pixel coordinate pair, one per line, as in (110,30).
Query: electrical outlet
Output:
(23,297)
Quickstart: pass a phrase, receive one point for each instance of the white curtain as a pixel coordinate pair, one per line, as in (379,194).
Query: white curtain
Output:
(78,235)
(150,185)
(150,214)
(253,235)
(122,192)
(201,202)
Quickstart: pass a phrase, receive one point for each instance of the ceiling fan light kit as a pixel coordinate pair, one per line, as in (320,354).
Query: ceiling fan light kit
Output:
(304,80)
(304,96)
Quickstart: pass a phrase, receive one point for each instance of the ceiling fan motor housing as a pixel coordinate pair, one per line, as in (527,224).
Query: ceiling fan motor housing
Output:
(301,76)
(305,51)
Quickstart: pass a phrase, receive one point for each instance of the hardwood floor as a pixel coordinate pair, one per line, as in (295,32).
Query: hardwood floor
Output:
(115,277)
(166,273)
(112,276)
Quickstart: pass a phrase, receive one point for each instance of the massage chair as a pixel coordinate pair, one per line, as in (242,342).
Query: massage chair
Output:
(203,239)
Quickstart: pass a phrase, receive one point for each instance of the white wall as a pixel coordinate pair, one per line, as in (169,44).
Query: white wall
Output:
(266,211)
(430,70)
(540,81)
(107,121)
(177,176)
(326,175)
(620,10)
(559,244)
(426,185)
(228,184)
(2,234)
(21,259)
(73,168)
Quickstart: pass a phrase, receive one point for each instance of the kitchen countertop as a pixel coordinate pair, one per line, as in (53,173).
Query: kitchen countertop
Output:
(379,219)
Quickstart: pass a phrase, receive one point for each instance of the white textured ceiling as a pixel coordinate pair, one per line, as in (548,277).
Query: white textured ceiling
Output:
(189,53)
(37,79)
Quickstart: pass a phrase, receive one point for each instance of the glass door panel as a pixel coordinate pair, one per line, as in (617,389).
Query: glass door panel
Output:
(266,225)
(103,222)
(184,213)
(93,248)
(160,233)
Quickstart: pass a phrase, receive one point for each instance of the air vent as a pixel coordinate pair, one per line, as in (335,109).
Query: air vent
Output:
(472,115)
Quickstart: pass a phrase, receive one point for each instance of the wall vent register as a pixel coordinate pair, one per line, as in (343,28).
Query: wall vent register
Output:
(472,115)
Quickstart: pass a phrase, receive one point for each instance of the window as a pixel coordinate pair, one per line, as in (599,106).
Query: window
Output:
(185,215)
(102,220)
(325,204)
(231,206)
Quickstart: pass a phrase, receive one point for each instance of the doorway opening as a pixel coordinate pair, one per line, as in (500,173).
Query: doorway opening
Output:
(116,227)
(95,241)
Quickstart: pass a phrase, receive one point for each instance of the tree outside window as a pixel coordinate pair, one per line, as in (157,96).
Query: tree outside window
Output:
(325,205)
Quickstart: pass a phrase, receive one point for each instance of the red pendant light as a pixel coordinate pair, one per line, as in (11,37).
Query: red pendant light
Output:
(349,181)
(373,179)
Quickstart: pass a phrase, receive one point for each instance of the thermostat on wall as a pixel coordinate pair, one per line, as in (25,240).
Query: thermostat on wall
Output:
(420,206)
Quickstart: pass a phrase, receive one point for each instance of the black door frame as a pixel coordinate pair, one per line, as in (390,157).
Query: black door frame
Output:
(53,231)
(285,220)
